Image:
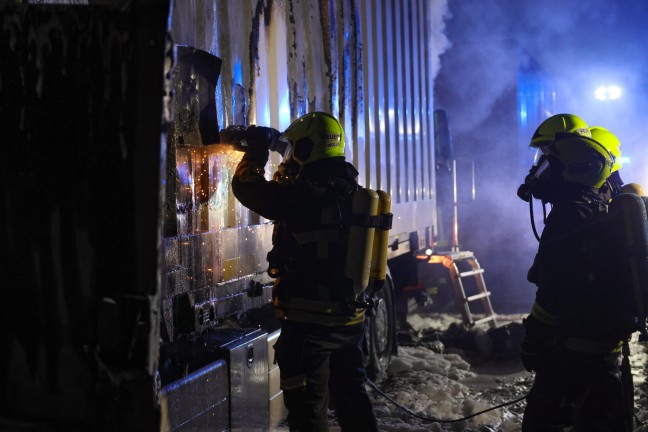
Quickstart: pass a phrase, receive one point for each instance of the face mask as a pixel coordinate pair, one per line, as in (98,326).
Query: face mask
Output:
(538,175)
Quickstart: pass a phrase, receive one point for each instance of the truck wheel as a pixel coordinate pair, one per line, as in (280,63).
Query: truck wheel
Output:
(381,333)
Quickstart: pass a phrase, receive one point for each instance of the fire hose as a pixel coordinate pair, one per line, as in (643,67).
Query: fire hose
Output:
(436,420)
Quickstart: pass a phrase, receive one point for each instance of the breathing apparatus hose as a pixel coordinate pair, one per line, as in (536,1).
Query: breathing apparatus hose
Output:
(544,215)
(436,420)
(533,227)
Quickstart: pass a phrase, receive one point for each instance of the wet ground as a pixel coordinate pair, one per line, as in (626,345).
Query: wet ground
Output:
(488,382)
(446,383)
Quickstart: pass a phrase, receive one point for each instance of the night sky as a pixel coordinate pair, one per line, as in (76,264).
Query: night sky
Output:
(582,45)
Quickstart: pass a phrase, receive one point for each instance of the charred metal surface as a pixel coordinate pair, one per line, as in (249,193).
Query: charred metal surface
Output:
(260,11)
(81,121)
(195,121)
(327,40)
(195,77)
(340,55)
(213,271)
(210,257)
(362,60)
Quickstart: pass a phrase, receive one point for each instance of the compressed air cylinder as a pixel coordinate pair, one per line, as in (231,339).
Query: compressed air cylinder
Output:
(378,269)
(361,238)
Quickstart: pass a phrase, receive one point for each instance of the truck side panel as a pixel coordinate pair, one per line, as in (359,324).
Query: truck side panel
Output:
(367,62)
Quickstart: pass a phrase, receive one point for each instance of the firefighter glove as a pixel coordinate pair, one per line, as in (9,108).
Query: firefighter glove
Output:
(260,138)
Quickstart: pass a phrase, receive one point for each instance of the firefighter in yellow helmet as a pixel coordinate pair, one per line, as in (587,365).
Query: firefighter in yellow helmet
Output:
(319,350)
(572,340)
(608,140)
(543,136)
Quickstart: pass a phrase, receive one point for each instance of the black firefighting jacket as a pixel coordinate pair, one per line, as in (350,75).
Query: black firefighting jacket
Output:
(572,311)
(312,214)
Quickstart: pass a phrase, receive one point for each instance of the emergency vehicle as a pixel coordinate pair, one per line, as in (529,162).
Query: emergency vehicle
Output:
(138,296)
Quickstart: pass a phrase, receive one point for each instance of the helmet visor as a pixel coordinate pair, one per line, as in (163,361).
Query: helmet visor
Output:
(542,168)
(284,146)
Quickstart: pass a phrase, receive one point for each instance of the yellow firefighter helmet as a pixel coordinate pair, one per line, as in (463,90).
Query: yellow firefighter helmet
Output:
(558,123)
(315,136)
(608,140)
(581,159)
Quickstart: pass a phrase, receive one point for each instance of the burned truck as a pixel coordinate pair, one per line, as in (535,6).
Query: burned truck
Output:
(135,292)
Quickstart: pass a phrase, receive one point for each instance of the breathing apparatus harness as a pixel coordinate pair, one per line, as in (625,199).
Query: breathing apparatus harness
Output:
(363,236)
(367,243)
(363,264)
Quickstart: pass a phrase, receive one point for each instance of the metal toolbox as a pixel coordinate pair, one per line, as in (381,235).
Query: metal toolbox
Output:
(228,394)
(197,402)
(248,360)
(278,411)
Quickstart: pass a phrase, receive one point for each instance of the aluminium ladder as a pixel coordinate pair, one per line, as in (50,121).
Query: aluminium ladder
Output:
(452,261)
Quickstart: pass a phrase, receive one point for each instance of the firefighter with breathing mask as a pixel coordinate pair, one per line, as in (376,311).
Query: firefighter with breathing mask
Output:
(543,136)
(561,123)
(572,340)
(322,315)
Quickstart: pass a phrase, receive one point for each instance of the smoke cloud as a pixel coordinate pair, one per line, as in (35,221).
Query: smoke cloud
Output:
(580,45)
(439,42)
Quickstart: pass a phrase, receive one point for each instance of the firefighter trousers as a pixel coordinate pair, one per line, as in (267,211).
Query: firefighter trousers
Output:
(316,362)
(577,390)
